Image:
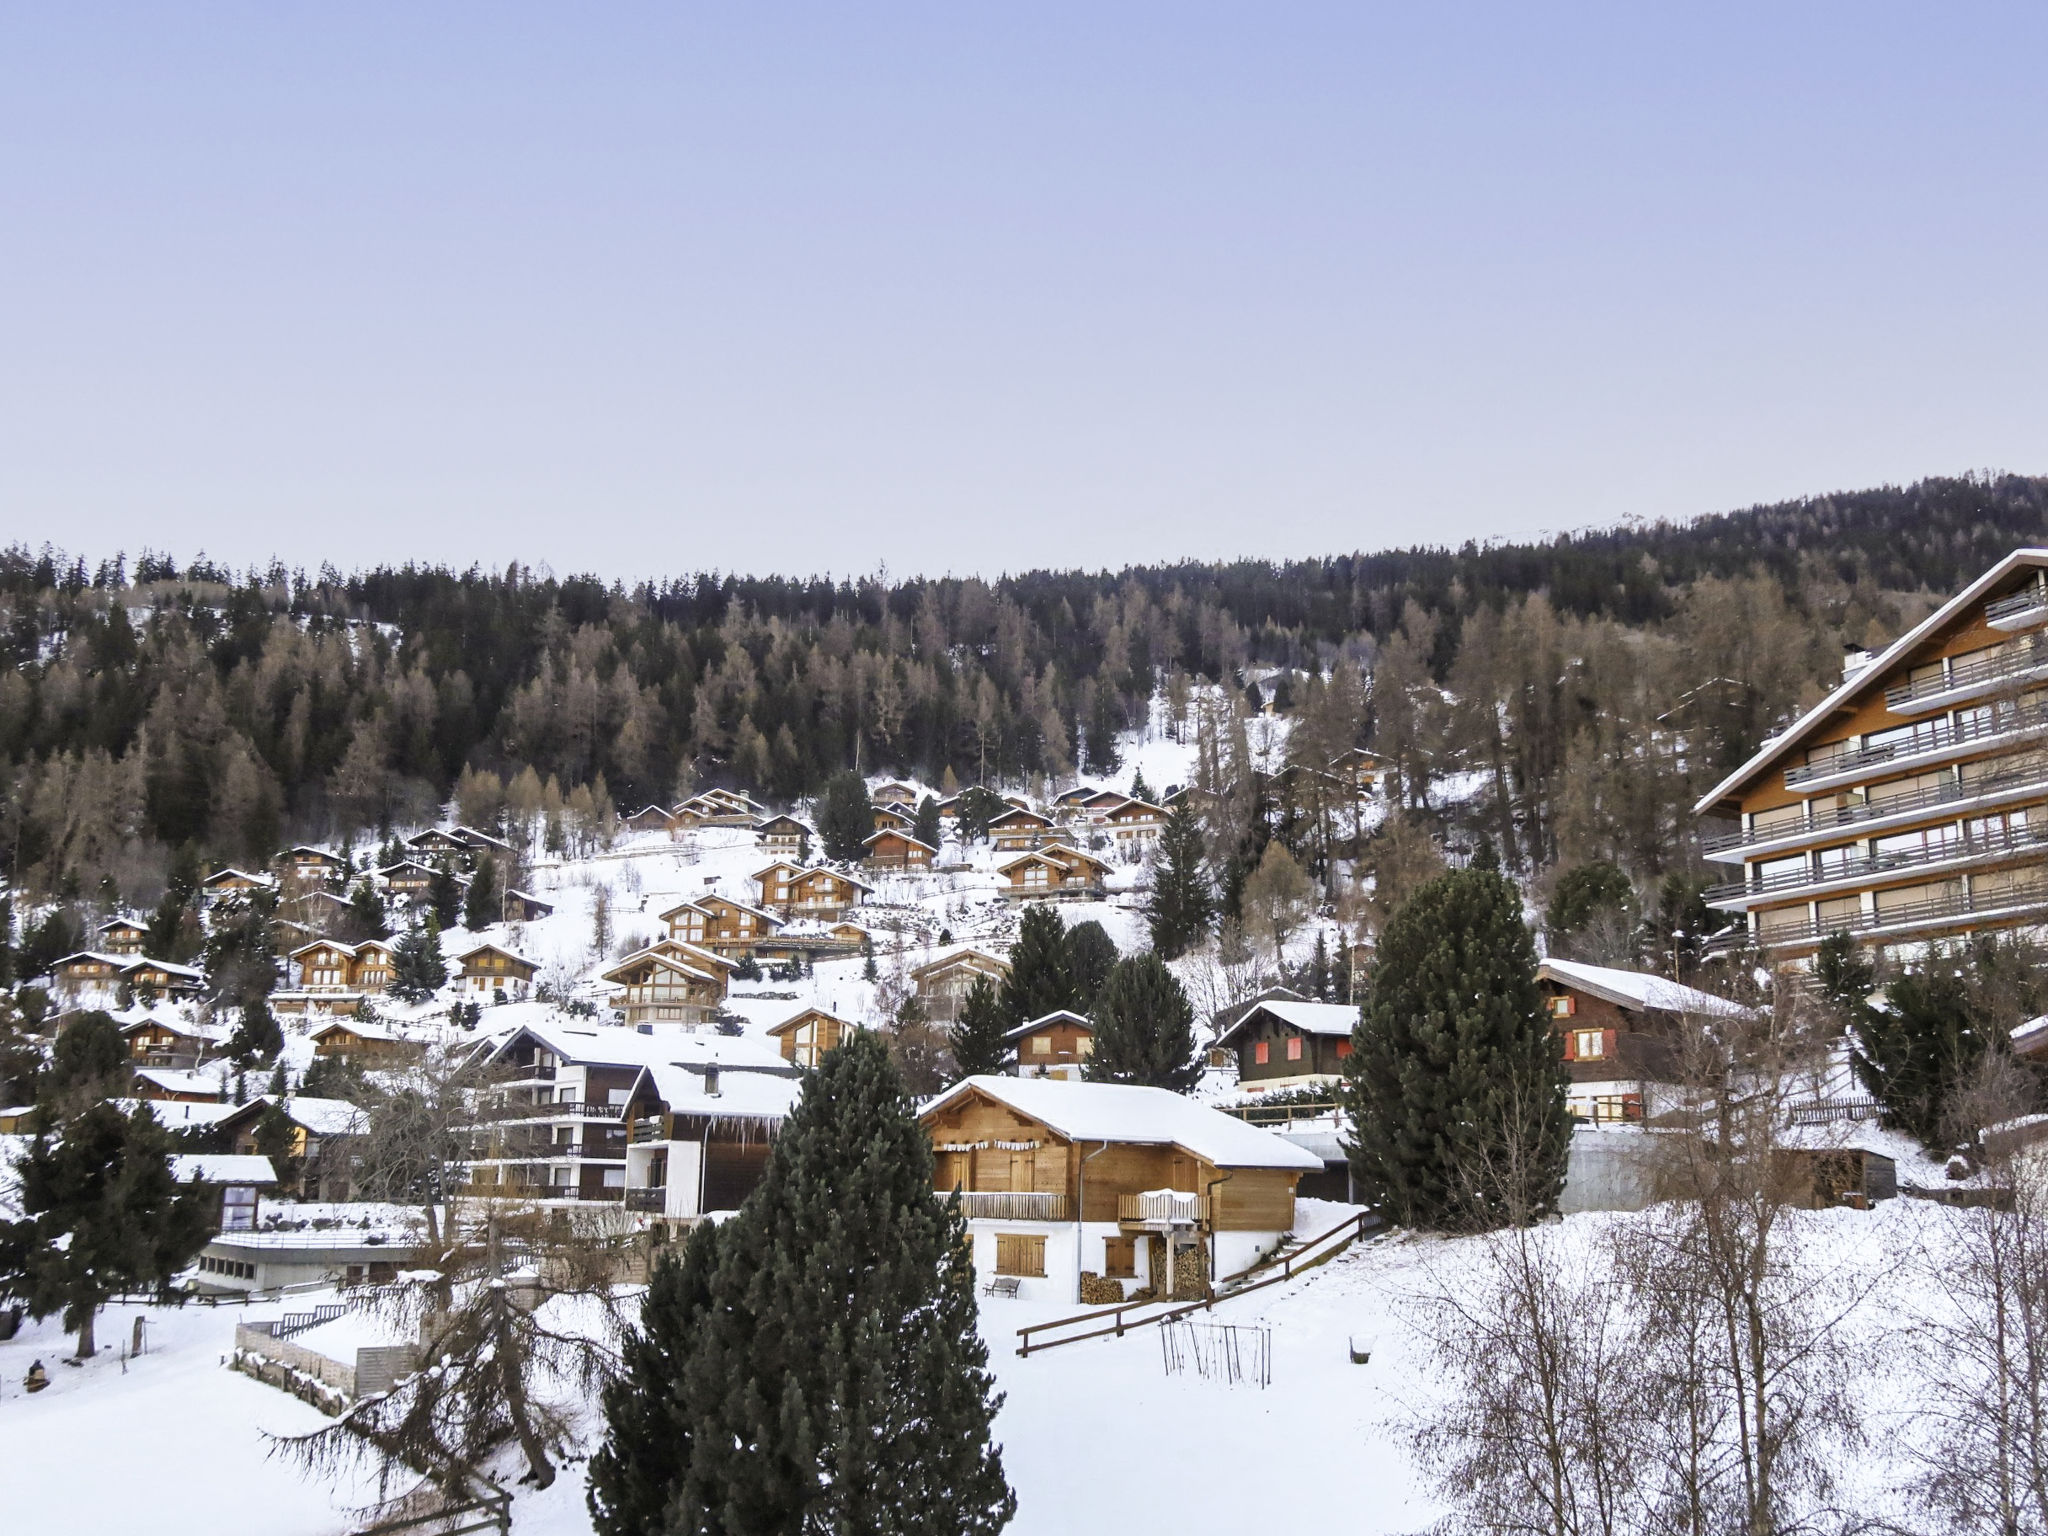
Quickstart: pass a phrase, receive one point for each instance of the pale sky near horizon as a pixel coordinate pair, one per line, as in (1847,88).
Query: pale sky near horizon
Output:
(650,289)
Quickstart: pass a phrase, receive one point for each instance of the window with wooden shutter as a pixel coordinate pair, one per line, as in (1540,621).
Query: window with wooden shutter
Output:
(1019,1253)
(1294,1048)
(1260,1052)
(1120,1258)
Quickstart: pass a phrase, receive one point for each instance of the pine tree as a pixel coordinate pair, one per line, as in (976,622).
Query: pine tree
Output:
(444,896)
(1181,905)
(1039,981)
(480,905)
(1144,1028)
(1455,1083)
(637,1470)
(845,816)
(101,1215)
(1091,953)
(837,1381)
(977,1038)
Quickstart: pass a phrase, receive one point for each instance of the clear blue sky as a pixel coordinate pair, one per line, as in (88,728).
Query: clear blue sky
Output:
(648,289)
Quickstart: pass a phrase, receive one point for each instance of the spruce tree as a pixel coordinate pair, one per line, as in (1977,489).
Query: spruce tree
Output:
(1140,790)
(1039,981)
(635,1474)
(977,1038)
(1181,905)
(366,917)
(88,1062)
(838,1382)
(1091,953)
(444,896)
(480,904)
(1144,1028)
(417,969)
(101,1214)
(1914,1052)
(927,829)
(845,816)
(256,1036)
(1455,1083)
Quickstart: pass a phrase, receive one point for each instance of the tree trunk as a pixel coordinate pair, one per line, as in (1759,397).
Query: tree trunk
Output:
(86,1347)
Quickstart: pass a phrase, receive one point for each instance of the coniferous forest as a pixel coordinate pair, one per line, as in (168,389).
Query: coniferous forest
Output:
(153,706)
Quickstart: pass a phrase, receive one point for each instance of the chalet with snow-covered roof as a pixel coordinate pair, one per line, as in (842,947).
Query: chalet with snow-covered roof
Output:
(896,792)
(1283,1044)
(824,895)
(365,1045)
(891,849)
(122,936)
(408,877)
(1059,1044)
(1620,1031)
(669,982)
(806,1036)
(164,1038)
(721,925)
(1909,807)
(160,978)
(1075,1189)
(524,907)
(434,844)
(1018,829)
(308,864)
(1052,872)
(322,1136)
(888,817)
(475,842)
(943,984)
(1134,827)
(176,1087)
(336,977)
(232,884)
(487,968)
(650,818)
(784,835)
(230,1186)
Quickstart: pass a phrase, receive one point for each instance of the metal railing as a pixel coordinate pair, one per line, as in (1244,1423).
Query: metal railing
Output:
(1953,793)
(2010,840)
(2011,659)
(1012,1205)
(1280,1114)
(1908,915)
(556,1109)
(1937,736)
(647,1198)
(2034,596)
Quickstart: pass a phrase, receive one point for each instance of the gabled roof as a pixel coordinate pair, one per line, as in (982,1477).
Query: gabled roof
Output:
(1332,1019)
(1637,990)
(472,838)
(118,962)
(121,922)
(320,1117)
(142,962)
(172,1080)
(1121,1112)
(783,819)
(1136,806)
(1018,814)
(335,944)
(497,949)
(221,1168)
(231,873)
(1047,1021)
(655,955)
(1870,676)
(172,1023)
(900,835)
(966,952)
(362,1029)
(831,874)
(795,1019)
(530,899)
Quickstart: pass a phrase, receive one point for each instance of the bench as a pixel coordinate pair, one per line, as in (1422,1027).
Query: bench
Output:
(1002,1285)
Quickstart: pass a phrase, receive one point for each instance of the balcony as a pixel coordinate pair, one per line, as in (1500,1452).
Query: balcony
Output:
(1873,815)
(1931,744)
(652,1198)
(1012,1205)
(1945,912)
(555,1109)
(1737,895)
(2023,610)
(1972,677)
(654,1128)
(1158,1209)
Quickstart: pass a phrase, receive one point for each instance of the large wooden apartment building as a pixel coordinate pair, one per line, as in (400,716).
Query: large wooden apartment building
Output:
(1911,804)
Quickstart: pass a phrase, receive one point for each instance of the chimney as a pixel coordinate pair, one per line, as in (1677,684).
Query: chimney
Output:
(711,1082)
(1854,660)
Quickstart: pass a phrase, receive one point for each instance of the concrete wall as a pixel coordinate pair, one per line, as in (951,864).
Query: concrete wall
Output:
(1608,1171)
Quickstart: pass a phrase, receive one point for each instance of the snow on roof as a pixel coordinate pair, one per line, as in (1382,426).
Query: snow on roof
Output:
(178,1115)
(612,1045)
(1120,1112)
(1637,989)
(1309,1018)
(222,1168)
(191,973)
(324,1117)
(749,1087)
(231,873)
(173,1081)
(1046,1021)
(955,956)
(362,1029)
(899,833)
(134,1020)
(2031,1035)
(496,949)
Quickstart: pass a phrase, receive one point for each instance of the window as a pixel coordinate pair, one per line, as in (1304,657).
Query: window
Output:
(1041,1045)
(615,1178)
(1589,1044)
(1563,1007)
(1294,1048)
(1085,1046)
(1120,1258)
(1019,1253)
(1343,1048)
(1261,1053)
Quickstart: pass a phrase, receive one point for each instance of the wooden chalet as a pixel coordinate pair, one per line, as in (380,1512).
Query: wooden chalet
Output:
(826,895)
(1620,1031)
(1134,826)
(669,982)
(1358,770)
(943,984)
(475,842)
(650,818)
(896,792)
(364,1045)
(721,925)
(1282,1044)
(1096,807)
(230,882)
(784,835)
(163,1039)
(434,844)
(92,973)
(122,936)
(523,907)
(310,865)
(1057,1045)
(1053,871)
(494,968)
(1069,1187)
(888,817)
(1018,829)
(337,977)
(230,1186)
(809,1035)
(408,877)
(160,978)
(170,1085)
(323,1135)
(891,849)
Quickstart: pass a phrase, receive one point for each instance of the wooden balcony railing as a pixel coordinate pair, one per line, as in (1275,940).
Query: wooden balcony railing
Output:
(1162,1207)
(1012,1205)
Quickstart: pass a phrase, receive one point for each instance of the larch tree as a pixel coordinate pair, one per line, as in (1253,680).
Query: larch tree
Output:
(1144,1028)
(1276,897)
(1455,1082)
(837,1381)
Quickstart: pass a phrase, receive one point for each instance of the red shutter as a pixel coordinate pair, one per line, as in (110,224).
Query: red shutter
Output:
(1260,1052)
